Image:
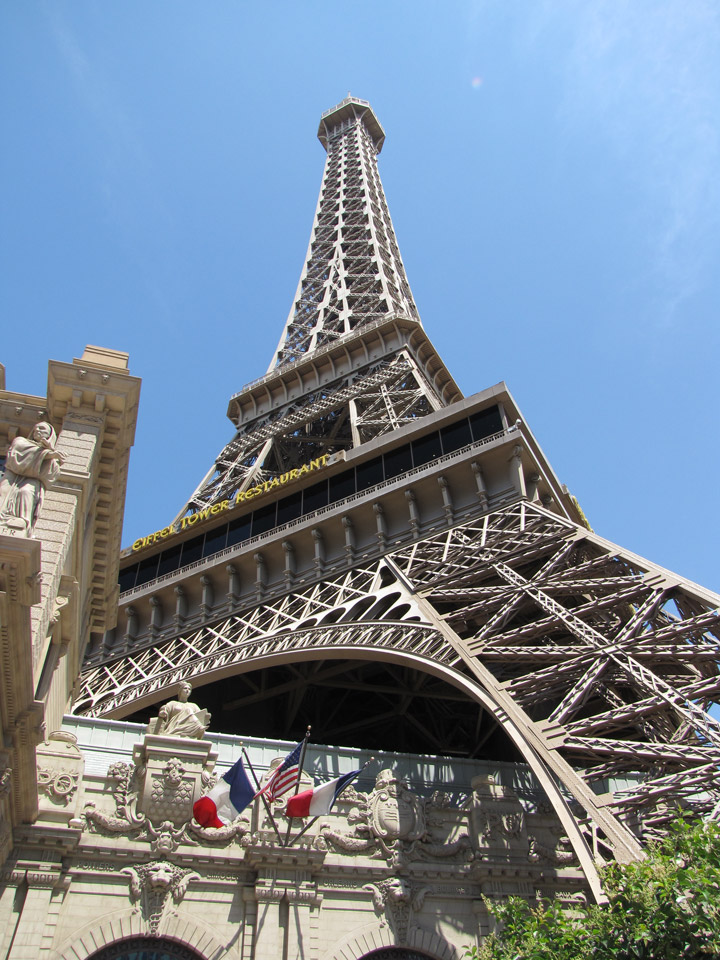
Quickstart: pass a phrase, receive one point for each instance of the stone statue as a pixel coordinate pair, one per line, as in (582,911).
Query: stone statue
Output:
(180,718)
(31,465)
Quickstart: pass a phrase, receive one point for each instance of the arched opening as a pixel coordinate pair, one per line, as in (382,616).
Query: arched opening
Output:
(368,704)
(146,948)
(395,953)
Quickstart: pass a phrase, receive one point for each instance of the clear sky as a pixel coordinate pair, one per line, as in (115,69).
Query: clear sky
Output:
(551,170)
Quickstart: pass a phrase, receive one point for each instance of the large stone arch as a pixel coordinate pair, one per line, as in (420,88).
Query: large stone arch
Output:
(379,936)
(124,924)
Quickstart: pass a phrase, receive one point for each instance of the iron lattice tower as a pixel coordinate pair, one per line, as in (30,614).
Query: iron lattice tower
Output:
(365,514)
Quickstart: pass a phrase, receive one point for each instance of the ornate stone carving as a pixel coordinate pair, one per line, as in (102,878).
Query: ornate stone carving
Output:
(180,718)
(60,766)
(498,819)
(152,883)
(58,785)
(395,900)
(32,463)
(392,823)
(221,835)
(561,854)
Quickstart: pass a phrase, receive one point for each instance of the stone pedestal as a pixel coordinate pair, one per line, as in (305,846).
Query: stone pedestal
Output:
(172,779)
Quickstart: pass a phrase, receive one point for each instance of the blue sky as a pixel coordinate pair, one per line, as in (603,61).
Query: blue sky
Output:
(552,173)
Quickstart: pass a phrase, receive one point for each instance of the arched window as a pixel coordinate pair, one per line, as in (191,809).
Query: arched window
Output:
(146,948)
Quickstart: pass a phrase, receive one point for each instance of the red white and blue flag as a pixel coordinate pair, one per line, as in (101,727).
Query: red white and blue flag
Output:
(228,798)
(284,777)
(319,800)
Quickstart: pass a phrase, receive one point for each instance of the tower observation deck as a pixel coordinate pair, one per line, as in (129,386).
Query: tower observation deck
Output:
(399,566)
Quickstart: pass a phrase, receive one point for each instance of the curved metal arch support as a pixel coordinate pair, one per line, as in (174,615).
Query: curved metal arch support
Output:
(424,647)
(540,757)
(382,639)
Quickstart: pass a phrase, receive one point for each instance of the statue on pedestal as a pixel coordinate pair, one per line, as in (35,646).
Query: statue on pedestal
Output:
(180,718)
(32,463)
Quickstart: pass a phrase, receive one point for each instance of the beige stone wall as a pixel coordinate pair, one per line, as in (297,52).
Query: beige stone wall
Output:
(117,853)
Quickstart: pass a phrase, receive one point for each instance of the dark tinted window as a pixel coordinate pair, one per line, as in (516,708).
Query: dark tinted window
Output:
(147,570)
(215,540)
(192,550)
(341,486)
(315,497)
(263,519)
(397,462)
(368,474)
(289,508)
(426,449)
(127,577)
(486,422)
(239,529)
(169,560)
(455,435)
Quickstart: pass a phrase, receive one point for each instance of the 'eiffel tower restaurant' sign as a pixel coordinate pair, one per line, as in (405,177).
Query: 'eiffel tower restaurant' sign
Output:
(240,497)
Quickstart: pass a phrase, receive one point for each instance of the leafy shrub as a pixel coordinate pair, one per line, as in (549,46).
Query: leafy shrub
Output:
(664,907)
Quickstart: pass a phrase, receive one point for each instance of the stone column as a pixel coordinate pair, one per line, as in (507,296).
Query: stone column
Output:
(233,593)
(28,938)
(447,497)
(319,549)
(381,525)
(480,483)
(208,595)
(414,513)
(517,476)
(349,537)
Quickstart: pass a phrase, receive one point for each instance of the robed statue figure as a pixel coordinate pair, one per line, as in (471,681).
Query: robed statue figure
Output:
(180,718)
(31,465)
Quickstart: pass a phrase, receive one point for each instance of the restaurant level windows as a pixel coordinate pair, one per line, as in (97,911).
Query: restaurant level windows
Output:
(341,486)
(169,560)
(263,519)
(238,530)
(315,497)
(456,435)
(215,540)
(147,570)
(486,422)
(192,550)
(127,576)
(368,474)
(398,461)
(289,508)
(426,449)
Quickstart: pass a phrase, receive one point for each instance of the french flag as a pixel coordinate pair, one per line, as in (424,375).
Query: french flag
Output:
(319,800)
(228,798)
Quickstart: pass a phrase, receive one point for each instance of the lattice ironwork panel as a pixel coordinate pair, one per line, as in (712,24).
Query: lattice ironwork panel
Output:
(614,661)
(350,611)
(355,410)
(353,272)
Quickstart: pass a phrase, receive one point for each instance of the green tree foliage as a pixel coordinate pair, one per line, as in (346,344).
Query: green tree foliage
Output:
(662,908)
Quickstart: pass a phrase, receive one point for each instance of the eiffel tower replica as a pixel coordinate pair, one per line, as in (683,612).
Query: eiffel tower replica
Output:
(398,565)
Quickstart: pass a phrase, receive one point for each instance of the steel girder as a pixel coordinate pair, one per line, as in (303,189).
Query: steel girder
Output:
(368,404)
(353,271)
(555,627)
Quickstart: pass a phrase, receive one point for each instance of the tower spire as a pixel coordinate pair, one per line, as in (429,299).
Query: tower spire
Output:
(353,272)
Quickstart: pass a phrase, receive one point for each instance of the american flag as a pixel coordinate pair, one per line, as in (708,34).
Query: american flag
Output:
(285,776)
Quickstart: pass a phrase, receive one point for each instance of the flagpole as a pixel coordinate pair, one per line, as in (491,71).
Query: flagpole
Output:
(264,798)
(311,822)
(297,782)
